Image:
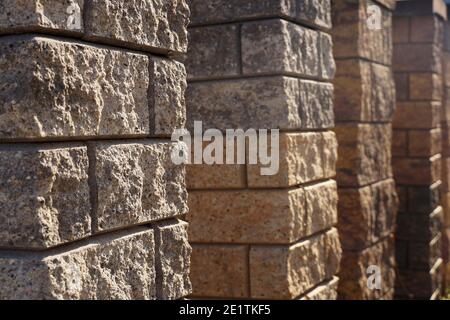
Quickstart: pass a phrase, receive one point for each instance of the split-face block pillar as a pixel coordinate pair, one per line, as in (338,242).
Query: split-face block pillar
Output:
(89,201)
(264,65)
(418,43)
(364,108)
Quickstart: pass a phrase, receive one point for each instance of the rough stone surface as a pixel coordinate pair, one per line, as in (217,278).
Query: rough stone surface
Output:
(118,266)
(136,182)
(294,269)
(44,195)
(326,291)
(173,260)
(151,25)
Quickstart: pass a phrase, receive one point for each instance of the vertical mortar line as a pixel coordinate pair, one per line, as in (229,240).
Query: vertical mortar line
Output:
(93,186)
(87,5)
(249,282)
(239,48)
(158,265)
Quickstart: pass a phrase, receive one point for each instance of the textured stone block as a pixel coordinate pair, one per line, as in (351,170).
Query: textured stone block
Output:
(293,49)
(354,38)
(220,271)
(136,182)
(417,171)
(261,103)
(367,214)
(118,266)
(261,216)
(427,29)
(364,91)
(364,153)
(353,275)
(213,52)
(417,115)
(287,272)
(159,26)
(173,254)
(327,291)
(44,195)
(304,157)
(314,13)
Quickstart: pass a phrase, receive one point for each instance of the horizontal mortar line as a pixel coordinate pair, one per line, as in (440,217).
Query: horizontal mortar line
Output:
(413,129)
(364,185)
(79,140)
(316,286)
(78,41)
(262,244)
(372,245)
(300,22)
(266,189)
(260,75)
(420,101)
(413,72)
(362,59)
(417,157)
(282,130)
(415,43)
(355,122)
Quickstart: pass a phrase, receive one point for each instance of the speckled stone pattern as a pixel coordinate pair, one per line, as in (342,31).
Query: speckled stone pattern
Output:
(364,107)
(90,201)
(264,65)
(420,153)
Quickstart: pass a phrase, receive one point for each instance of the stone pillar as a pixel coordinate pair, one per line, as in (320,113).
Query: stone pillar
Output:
(364,108)
(89,200)
(264,65)
(418,38)
(445,128)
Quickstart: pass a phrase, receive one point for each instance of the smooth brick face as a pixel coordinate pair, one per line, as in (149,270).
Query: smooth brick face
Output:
(425,86)
(214,51)
(420,228)
(364,91)
(364,154)
(121,266)
(417,115)
(215,267)
(304,157)
(273,103)
(424,143)
(314,13)
(354,267)
(45,195)
(368,214)
(411,57)
(136,182)
(401,31)
(293,269)
(426,29)
(294,49)
(415,171)
(156,25)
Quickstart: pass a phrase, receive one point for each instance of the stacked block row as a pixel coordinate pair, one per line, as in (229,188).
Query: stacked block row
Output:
(364,108)
(90,201)
(264,65)
(417,150)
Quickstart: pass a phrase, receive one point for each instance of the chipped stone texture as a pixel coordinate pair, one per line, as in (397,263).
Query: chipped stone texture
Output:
(174,254)
(367,214)
(213,52)
(364,153)
(118,266)
(167,96)
(364,91)
(261,216)
(159,25)
(136,182)
(327,291)
(56,88)
(261,103)
(290,48)
(352,36)
(293,269)
(314,13)
(304,157)
(354,277)
(44,195)
(219,271)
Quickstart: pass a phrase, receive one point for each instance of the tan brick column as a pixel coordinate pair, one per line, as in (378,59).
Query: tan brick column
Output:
(364,107)
(418,38)
(264,65)
(89,199)
(445,124)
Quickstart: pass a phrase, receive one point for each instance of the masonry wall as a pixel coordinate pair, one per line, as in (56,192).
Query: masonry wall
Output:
(418,157)
(90,202)
(264,65)
(364,108)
